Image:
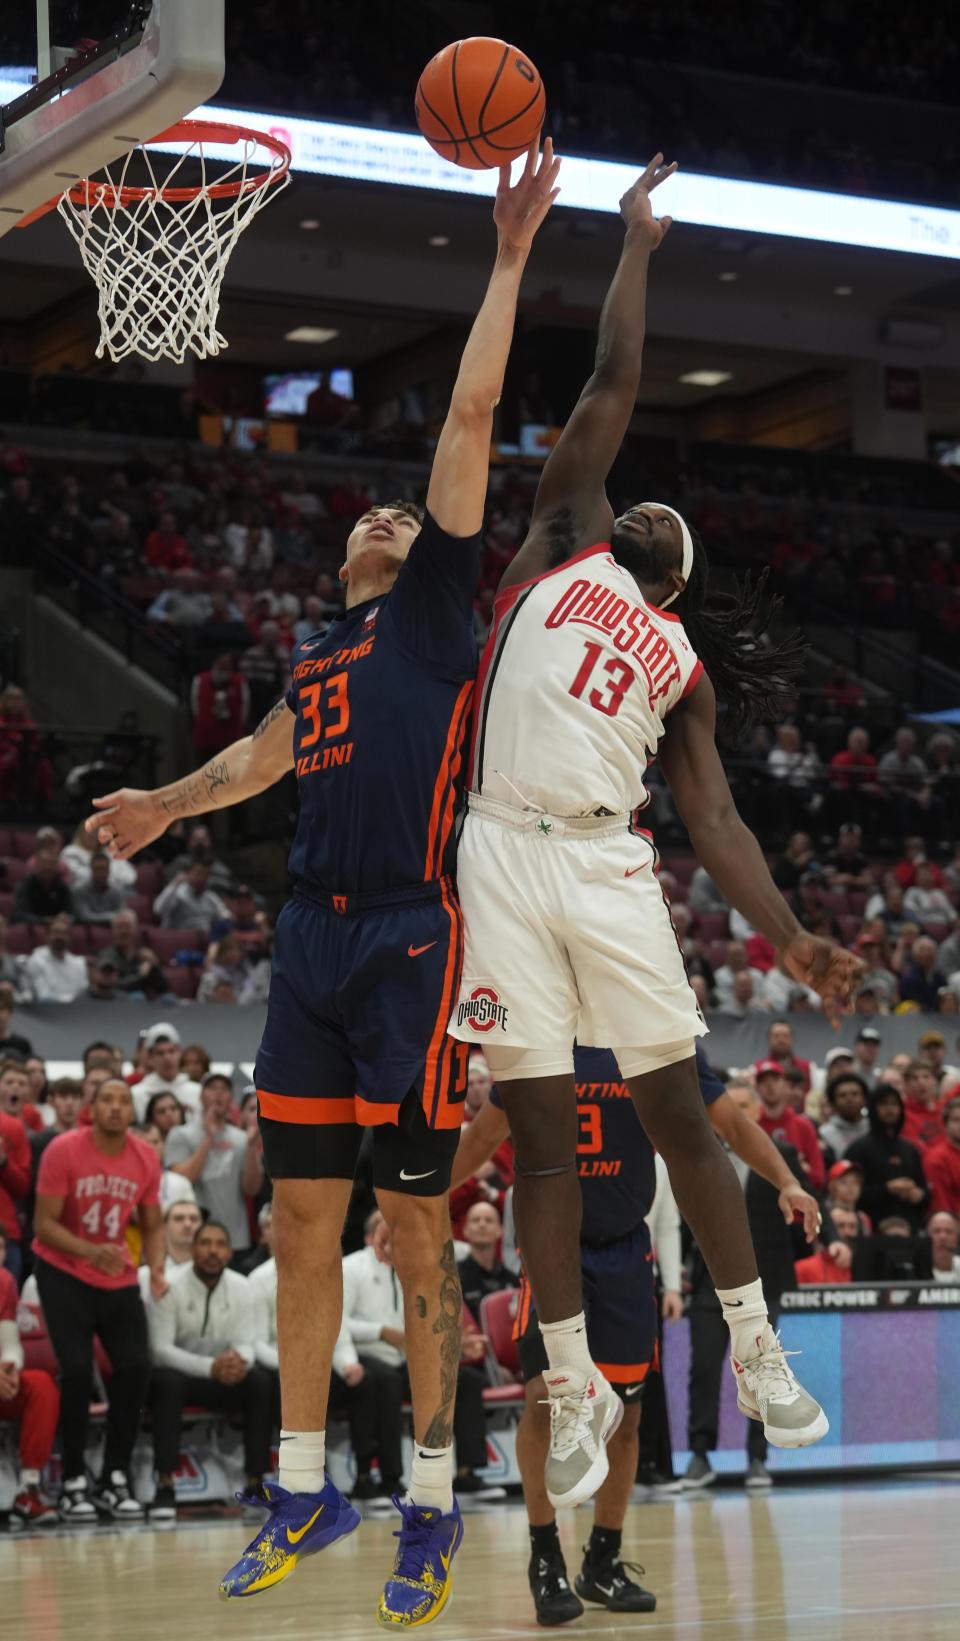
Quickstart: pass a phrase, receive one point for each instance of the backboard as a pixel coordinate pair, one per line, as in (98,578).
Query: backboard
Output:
(89,79)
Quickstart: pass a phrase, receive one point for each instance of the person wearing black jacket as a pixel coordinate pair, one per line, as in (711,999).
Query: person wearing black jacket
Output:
(776,1245)
(893,1180)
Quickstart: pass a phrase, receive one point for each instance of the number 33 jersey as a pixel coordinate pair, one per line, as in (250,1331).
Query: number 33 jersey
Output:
(382,703)
(574,688)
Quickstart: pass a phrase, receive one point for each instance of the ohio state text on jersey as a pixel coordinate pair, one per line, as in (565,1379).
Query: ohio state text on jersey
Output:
(576,681)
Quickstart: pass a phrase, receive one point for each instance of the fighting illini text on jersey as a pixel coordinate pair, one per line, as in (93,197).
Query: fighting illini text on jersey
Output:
(382,701)
(576,681)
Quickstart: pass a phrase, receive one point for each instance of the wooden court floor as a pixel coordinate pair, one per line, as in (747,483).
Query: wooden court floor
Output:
(867,1562)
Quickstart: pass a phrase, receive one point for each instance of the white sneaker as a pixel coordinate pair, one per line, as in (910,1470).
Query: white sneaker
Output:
(113,1498)
(76,1506)
(769,1391)
(584,1414)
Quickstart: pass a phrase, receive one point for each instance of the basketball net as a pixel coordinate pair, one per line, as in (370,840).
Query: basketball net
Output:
(157,253)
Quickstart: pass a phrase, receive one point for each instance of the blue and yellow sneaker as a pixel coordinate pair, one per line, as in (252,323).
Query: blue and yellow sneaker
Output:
(418,1588)
(299,1524)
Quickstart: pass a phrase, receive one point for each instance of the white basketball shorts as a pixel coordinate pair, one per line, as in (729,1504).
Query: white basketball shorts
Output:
(567,936)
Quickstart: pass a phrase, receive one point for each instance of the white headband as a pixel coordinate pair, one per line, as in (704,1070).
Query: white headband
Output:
(687,539)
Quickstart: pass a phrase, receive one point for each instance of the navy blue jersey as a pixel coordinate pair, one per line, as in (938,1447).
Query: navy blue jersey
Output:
(614,1156)
(382,703)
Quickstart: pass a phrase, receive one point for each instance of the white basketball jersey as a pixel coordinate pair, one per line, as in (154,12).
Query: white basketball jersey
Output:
(576,680)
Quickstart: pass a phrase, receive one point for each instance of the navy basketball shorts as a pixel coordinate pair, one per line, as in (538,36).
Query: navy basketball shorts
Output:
(620,1305)
(355,1038)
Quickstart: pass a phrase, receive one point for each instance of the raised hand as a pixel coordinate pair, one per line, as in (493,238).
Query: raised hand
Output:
(825,968)
(635,207)
(519,210)
(126,821)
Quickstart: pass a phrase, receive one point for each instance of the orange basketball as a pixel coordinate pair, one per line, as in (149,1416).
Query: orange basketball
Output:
(480,103)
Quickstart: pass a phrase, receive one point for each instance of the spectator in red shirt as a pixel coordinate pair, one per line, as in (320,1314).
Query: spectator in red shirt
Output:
(850,769)
(220,703)
(941,1163)
(165,548)
(14,1185)
(820,1267)
(31,1396)
(90,1182)
(780,1048)
(15,1095)
(782,1123)
(922,1124)
(914,855)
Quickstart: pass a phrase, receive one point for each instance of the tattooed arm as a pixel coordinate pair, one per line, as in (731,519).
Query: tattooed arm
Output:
(128,819)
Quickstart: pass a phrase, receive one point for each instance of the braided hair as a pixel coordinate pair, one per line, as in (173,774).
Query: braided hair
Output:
(753,680)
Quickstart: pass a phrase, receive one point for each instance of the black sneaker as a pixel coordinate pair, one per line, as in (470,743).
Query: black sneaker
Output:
(163,1506)
(365,1487)
(552,1596)
(472,1485)
(76,1507)
(607,1583)
(113,1498)
(699,1472)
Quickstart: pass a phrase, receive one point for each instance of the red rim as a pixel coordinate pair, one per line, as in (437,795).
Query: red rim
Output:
(103,193)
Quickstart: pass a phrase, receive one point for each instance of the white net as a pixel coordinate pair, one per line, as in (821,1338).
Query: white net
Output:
(158,262)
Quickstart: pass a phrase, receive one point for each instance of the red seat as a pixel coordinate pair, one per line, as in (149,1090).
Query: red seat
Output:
(142,905)
(183,982)
(19,939)
(497,1315)
(14,870)
(99,935)
(857,901)
(167,942)
(716,953)
(682,867)
(24,844)
(6,906)
(712,925)
(37,1349)
(835,900)
(849,928)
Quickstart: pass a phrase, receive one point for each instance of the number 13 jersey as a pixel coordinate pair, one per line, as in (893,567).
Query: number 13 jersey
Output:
(576,681)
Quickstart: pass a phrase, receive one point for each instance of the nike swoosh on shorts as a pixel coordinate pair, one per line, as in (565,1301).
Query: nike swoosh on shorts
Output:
(632,873)
(405,1175)
(417,951)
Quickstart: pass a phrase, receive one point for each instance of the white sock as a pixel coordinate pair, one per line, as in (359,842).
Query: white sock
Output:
(566,1345)
(29,1478)
(745,1313)
(431,1478)
(303,1455)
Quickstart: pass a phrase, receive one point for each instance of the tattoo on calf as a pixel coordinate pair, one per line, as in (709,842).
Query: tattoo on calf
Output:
(265,723)
(439,1432)
(421,1305)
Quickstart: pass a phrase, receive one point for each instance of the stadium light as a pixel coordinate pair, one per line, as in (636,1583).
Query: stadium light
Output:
(402,159)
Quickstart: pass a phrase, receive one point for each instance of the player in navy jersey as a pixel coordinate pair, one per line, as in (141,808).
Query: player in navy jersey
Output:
(367,953)
(615,1163)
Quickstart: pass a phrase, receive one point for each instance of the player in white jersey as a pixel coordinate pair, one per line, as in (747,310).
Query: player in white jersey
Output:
(588,675)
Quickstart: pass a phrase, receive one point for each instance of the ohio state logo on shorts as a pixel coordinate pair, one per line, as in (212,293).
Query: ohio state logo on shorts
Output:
(482,1010)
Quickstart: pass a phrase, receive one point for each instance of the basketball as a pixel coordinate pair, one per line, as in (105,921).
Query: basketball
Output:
(480,103)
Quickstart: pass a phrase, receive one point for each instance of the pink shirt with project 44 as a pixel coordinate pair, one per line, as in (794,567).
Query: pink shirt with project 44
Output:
(100,1193)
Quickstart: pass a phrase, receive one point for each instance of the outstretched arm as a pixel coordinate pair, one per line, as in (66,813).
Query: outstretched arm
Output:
(128,819)
(731,854)
(757,1150)
(571,509)
(458,482)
